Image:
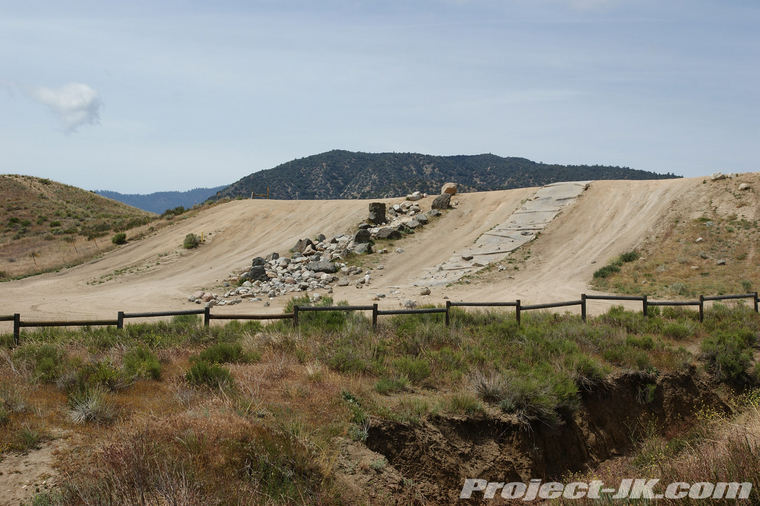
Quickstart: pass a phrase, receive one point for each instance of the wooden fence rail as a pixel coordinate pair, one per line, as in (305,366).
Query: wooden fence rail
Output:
(18,324)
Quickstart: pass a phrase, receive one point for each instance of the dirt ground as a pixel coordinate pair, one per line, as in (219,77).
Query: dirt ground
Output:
(155,273)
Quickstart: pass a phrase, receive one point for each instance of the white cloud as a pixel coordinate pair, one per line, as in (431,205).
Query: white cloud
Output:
(75,104)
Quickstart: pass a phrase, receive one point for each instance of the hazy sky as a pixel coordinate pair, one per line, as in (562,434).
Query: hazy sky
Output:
(142,96)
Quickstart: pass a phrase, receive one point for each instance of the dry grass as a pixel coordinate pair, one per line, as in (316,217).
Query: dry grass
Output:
(45,225)
(675,265)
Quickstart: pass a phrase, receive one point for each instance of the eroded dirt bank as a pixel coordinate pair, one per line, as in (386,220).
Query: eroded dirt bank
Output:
(439,453)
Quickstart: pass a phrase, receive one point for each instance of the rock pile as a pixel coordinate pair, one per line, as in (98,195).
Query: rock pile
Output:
(318,263)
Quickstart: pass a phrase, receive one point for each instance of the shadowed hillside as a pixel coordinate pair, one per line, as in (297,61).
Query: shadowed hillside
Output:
(346,175)
(159,202)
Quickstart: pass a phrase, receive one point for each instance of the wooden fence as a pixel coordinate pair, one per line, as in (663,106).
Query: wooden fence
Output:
(18,324)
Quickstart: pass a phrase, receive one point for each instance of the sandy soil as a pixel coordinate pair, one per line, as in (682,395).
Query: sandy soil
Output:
(157,274)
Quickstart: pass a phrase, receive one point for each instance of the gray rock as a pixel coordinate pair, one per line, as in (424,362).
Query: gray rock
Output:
(434,213)
(720,262)
(388,233)
(363,248)
(423,219)
(364,226)
(442,201)
(362,236)
(272,256)
(425,291)
(716,176)
(258,261)
(412,224)
(745,186)
(322,266)
(376,213)
(257,273)
(321,237)
(302,244)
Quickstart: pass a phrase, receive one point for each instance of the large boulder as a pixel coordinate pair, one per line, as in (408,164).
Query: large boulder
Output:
(450,188)
(442,201)
(388,233)
(362,236)
(376,213)
(322,266)
(258,261)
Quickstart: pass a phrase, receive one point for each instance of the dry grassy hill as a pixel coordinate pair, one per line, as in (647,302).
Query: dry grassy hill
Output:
(47,225)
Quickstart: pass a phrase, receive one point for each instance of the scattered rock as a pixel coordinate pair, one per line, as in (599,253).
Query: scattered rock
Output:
(388,233)
(344,281)
(413,224)
(414,196)
(450,188)
(425,291)
(745,186)
(376,213)
(410,304)
(717,176)
(301,245)
(399,250)
(322,266)
(441,201)
(720,262)
(363,248)
(699,239)
(467,258)
(362,236)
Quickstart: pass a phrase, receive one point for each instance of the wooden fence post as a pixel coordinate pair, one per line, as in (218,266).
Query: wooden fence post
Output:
(374,315)
(583,307)
(206,316)
(295,316)
(517,313)
(645,307)
(448,317)
(16,328)
(120,320)
(701,308)
(755,302)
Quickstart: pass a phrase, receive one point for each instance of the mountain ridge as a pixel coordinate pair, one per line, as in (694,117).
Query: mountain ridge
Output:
(340,174)
(158,202)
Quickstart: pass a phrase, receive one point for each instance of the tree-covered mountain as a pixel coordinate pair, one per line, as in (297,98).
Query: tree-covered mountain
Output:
(346,175)
(161,201)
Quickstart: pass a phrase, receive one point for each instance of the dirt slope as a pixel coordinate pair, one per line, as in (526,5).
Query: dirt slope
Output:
(156,274)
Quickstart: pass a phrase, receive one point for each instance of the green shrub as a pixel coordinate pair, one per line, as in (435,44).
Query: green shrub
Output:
(46,361)
(387,386)
(630,256)
(416,369)
(211,375)
(729,354)
(141,362)
(223,353)
(466,403)
(678,330)
(191,241)
(120,238)
(606,271)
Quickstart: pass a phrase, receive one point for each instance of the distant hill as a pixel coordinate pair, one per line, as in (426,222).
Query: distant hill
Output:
(47,225)
(161,201)
(346,175)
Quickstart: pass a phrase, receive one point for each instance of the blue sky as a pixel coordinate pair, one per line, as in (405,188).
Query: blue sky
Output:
(147,96)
